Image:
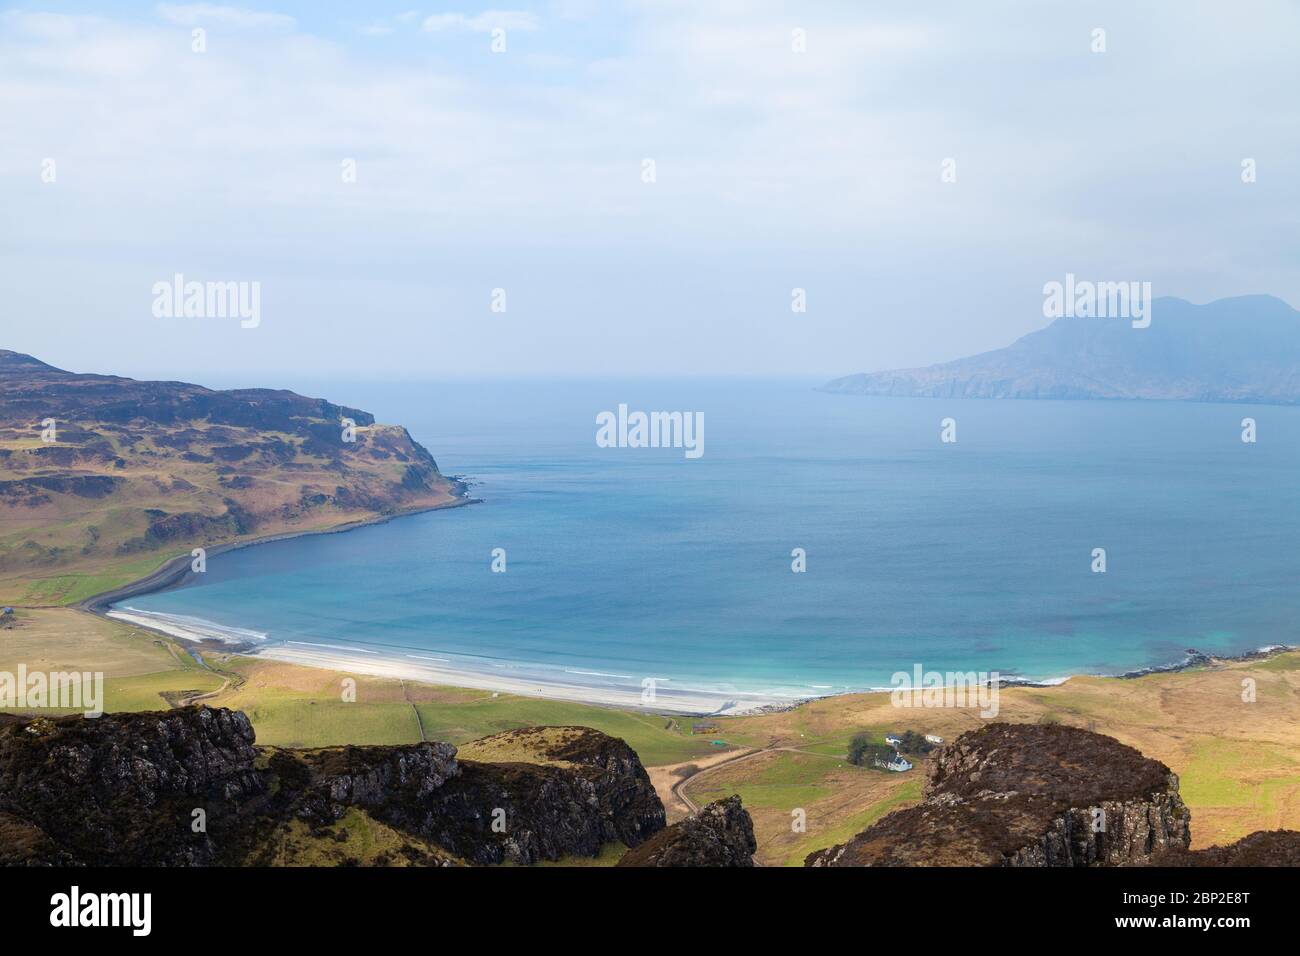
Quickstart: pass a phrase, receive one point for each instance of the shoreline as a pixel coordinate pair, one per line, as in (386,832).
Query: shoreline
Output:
(533,680)
(172,571)
(528,680)
(685,697)
(447,669)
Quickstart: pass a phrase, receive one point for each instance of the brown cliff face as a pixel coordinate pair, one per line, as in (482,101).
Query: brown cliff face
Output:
(123,789)
(721,834)
(1029,795)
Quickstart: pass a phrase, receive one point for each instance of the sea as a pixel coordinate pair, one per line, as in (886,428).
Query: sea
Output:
(628,564)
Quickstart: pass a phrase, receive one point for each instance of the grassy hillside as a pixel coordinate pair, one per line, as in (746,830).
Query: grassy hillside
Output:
(135,473)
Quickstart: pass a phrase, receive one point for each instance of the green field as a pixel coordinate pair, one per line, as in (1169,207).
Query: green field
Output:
(649,735)
(293,706)
(75,587)
(844,830)
(784,781)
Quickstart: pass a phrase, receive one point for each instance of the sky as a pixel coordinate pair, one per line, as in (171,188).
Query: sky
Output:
(794,146)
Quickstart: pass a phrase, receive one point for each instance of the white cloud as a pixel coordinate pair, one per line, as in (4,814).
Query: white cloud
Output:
(818,169)
(386,26)
(483,22)
(207,14)
(49,26)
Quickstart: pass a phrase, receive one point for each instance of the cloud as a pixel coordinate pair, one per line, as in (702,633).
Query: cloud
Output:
(483,22)
(775,169)
(207,14)
(49,26)
(386,26)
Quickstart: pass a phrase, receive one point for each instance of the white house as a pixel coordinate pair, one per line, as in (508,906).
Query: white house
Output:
(897,763)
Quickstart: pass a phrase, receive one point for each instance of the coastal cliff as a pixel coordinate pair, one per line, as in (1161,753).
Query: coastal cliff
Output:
(102,477)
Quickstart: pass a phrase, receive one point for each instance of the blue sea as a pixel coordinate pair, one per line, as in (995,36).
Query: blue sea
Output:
(629,563)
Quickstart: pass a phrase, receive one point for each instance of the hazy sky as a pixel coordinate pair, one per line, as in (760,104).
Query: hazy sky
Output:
(523,170)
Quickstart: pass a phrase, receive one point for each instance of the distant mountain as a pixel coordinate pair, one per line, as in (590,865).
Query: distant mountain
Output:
(1243,349)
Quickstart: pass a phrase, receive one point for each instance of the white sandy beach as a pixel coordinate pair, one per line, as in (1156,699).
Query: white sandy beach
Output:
(529,681)
(185,628)
(624,691)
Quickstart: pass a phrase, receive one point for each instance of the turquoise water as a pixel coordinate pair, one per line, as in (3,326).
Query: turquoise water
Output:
(638,562)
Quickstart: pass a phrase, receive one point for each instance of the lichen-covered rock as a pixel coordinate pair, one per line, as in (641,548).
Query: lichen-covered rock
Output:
(1029,795)
(721,834)
(123,789)
(374,777)
(552,792)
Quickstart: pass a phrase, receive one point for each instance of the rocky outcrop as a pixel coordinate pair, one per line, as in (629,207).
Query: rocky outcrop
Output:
(189,788)
(1029,795)
(1261,848)
(122,789)
(595,792)
(721,834)
(375,778)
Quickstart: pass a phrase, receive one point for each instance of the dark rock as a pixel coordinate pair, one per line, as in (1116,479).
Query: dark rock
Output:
(1029,795)
(577,790)
(122,789)
(721,834)
(1261,848)
(383,779)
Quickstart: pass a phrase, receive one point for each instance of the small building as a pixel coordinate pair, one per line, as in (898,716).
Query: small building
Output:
(895,762)
(893,739)
(705,727)
(933,739)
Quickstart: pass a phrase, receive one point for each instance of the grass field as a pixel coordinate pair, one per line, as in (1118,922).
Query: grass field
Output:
(1238,757)
(139,667)
(73,587)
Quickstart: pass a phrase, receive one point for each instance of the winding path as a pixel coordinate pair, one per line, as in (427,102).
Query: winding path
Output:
(678,789)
